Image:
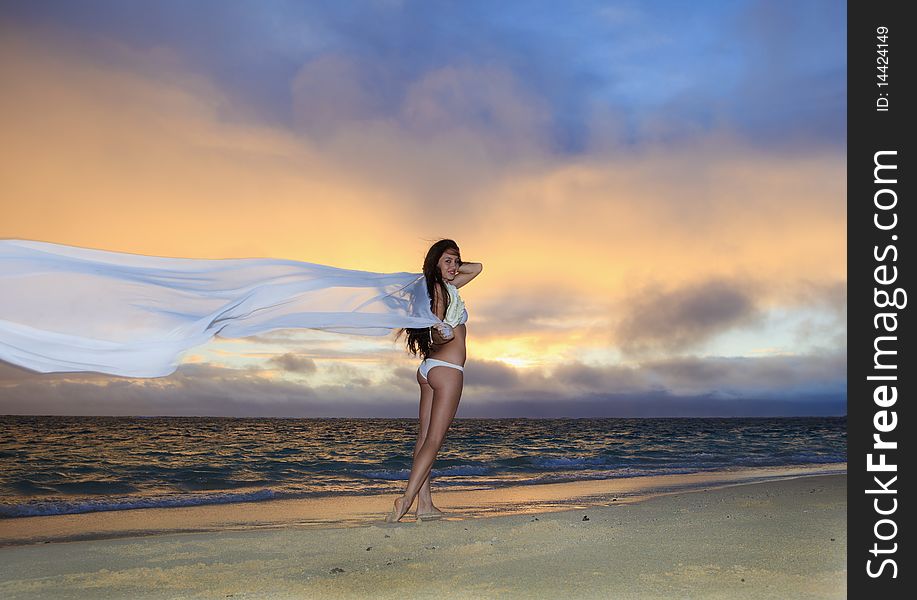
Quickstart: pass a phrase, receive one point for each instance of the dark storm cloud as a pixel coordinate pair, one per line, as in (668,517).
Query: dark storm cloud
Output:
(808,373)
(678,319)
(198,389)
(488,373)
(613,377)
(731,376)
(404,380)
(685,386)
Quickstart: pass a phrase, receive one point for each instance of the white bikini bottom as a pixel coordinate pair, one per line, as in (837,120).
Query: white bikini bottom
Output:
(429,363)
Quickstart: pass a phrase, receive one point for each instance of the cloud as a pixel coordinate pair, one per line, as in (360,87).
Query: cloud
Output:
(293,362)
(491,374)
(484,99)
(12,375)
(328,92)
(194,389)
(676,386)
(682,318)
(734,377)
(779,97)
(525,307)
(640,244)
(773,71)
(391,187)
(743,376)
(601,379)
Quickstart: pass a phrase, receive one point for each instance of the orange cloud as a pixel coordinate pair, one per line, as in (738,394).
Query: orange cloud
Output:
(144,156)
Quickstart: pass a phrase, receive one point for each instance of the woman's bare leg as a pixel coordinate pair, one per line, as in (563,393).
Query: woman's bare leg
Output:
(447,391)
(424,497)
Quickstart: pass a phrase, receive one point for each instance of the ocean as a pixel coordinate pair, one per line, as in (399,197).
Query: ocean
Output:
(53,465)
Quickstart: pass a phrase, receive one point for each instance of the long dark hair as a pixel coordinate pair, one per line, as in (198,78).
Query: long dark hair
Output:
(418,340)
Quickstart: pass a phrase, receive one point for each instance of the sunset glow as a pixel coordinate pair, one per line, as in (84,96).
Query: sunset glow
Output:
(642,226)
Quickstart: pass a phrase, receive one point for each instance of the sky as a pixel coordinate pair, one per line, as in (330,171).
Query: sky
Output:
(656,190)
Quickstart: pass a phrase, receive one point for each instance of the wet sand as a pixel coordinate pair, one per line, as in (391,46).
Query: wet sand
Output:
(689,536)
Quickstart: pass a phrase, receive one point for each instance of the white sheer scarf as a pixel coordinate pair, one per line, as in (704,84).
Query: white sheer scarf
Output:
(69,309)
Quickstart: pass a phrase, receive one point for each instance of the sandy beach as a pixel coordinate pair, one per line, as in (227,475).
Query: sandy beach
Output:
(732,537)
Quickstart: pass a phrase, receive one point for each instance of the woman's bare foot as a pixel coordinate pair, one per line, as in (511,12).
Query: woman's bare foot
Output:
(401,507)
(430,512)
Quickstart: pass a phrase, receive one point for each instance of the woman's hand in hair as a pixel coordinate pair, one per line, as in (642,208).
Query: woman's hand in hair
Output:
(466,272)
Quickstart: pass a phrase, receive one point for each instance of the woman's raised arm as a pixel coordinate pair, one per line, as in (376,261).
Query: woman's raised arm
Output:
(466,272)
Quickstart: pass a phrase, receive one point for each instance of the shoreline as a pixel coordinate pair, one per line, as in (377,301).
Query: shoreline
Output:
(776,538)
(337,512)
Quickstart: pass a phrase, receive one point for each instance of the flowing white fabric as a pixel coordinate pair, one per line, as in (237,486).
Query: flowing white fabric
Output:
(71,309)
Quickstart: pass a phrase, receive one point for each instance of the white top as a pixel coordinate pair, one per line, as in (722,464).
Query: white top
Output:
(456,314)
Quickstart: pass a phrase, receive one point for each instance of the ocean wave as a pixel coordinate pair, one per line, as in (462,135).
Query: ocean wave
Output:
(404,474)
(114,463)
(38,508)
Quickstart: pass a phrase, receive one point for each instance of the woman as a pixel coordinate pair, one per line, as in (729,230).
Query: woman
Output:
(441,373)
